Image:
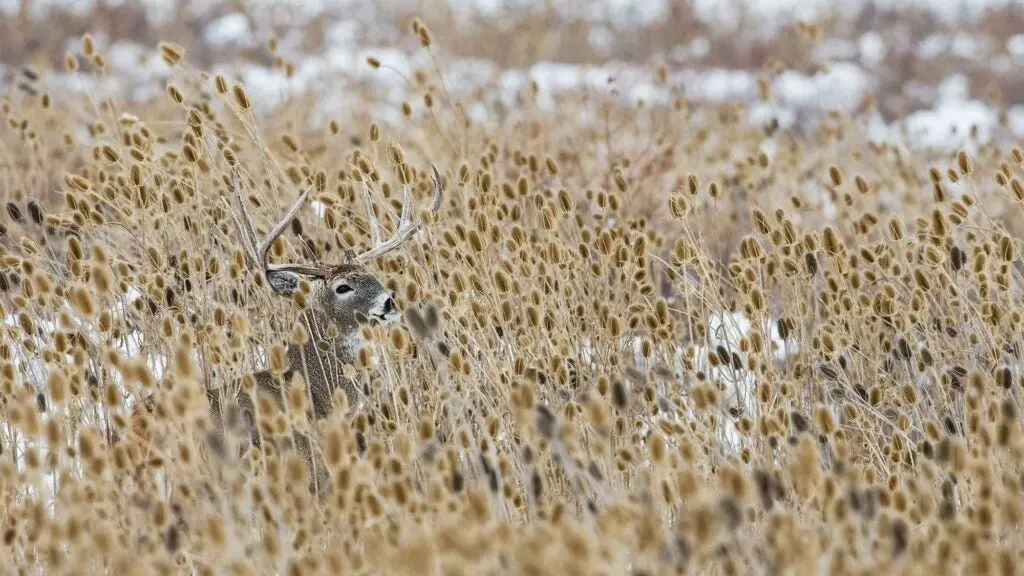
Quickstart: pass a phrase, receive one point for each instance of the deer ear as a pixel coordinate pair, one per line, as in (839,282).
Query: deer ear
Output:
(283,282)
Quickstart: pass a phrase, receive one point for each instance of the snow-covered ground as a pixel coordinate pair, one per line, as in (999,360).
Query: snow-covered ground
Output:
(768,14)
(851,73)
(35,374)
(946,122)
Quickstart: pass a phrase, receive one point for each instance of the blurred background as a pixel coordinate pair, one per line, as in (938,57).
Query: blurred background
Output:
(945,73)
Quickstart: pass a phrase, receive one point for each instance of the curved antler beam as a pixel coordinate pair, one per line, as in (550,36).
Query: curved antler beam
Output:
(406,229)
(257,251)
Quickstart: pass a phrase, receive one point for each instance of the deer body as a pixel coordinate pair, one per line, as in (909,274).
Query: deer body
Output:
(342,299)
(346,297)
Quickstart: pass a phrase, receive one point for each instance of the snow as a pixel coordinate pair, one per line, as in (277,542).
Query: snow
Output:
(799,97)
(333,75)
(1015,46)
(762,17)
(35,374)
(622,12)
(687,54)
(961,45)
(948,125)
(470,74)
(945,123)
(726,330)
(1015,116)
(601,39)
(832,49)
(872,48)
(949,11)
(477,8)
(762,113)
(955,88)
(843,87)
(933,46)
(717,84)
(948,121)
(1001,64)
(229,29)
(766,13)
(970,47)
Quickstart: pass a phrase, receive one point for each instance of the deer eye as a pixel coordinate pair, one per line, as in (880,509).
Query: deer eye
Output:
(342,289)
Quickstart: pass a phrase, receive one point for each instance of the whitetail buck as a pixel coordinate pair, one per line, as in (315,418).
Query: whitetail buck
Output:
(342,298)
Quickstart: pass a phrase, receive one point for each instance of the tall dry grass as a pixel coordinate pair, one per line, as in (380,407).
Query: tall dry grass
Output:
(664,341)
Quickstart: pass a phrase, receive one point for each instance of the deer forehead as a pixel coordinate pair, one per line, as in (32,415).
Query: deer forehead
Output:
(357,276)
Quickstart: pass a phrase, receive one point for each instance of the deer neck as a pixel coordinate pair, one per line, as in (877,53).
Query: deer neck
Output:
(318,326)
(320,344)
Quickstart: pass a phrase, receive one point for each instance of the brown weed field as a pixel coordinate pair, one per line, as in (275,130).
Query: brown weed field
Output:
(746,306)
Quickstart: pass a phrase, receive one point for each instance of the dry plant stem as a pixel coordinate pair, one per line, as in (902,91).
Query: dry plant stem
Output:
(433,116)
(589,363)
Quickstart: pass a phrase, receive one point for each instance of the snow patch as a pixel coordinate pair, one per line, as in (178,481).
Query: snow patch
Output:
(230,29)
(1015,46)
(872,48)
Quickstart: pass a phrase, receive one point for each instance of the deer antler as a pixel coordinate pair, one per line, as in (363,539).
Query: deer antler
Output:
(405,230)
(256,250)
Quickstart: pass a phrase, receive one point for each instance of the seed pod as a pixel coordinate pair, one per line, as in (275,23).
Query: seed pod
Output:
(903,348)
(546,422)
(171,53)
(241,97)
(175,94)
(799,421)
(35,211)
(783,327)
(835,175)
(964,162)
(14,212)
(957,258)
(619,397)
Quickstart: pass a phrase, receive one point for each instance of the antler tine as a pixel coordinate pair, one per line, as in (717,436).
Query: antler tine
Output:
(244,224)
(438,190)
(264,247)
(374,225)
(405,229)
(257,251)
(403,220)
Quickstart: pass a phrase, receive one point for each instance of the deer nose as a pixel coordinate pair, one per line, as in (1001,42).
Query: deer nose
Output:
(389,306)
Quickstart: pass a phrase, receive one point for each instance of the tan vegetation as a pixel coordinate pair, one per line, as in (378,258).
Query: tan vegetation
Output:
(661,340)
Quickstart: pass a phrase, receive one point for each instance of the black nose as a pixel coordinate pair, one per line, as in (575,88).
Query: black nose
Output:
(389,306)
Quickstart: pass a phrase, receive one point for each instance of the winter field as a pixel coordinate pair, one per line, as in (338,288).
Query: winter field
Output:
(713,288)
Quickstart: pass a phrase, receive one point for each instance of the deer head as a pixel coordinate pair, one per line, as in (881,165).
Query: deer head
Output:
(346,294)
